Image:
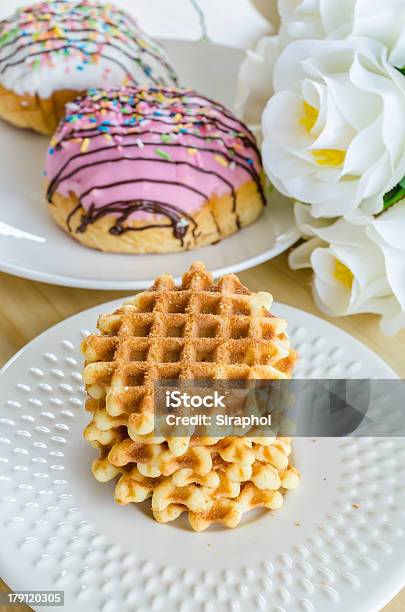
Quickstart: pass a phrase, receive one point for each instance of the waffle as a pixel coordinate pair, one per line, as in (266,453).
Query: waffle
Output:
(224,510)
(205,495)
(198,331)
(210,498)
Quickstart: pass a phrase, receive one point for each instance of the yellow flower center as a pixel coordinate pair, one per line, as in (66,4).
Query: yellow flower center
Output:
(343,274)
(333,158)
(309,117)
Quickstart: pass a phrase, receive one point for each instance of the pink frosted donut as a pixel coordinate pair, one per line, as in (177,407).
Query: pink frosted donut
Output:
(152,170)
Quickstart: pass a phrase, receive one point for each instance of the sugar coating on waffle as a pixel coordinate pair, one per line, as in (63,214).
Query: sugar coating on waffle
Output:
(199,330)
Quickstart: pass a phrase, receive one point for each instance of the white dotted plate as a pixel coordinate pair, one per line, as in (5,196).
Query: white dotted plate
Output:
(336,545)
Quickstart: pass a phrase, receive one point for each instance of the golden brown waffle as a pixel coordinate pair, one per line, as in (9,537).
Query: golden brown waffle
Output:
(210,498)
(224,510)
(200,330)
(200,492)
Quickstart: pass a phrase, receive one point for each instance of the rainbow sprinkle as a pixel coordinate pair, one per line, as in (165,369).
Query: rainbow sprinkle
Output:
(85,145)
(82,33)
(163,154)
(221,161)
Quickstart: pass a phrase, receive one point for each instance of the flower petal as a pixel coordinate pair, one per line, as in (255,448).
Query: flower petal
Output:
(300,257)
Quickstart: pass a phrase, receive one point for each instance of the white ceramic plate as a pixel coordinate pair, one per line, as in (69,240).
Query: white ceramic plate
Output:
(32,246)
(336,545)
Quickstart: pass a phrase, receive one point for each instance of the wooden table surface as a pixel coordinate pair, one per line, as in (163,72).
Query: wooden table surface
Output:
(28,308)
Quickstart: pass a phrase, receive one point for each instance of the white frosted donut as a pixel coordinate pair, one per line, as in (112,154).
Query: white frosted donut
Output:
(74,45)
(53,51)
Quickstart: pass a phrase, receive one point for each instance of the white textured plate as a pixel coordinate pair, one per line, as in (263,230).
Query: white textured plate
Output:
(32,246)
(336,545)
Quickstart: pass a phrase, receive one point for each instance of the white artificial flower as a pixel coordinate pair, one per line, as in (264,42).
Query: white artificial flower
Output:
(255,82)
(358,267)
(334,131)
(315,19)
(383,20)
(388,231)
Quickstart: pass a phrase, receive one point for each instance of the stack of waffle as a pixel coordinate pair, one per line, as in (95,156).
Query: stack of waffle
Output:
(199,331)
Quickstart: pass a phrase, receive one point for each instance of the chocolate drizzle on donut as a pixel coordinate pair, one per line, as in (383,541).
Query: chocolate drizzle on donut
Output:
(84,31)
(147,129)
(179,221)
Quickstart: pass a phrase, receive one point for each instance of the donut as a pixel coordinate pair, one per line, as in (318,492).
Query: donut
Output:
(53,51)
(152,170)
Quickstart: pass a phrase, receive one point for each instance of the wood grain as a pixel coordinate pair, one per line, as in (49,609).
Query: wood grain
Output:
(268,8)
(28,308)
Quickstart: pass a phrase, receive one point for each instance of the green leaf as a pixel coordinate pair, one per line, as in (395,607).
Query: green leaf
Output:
(393,197)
